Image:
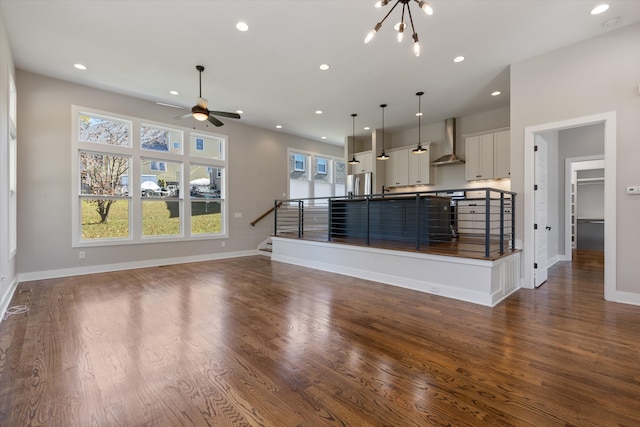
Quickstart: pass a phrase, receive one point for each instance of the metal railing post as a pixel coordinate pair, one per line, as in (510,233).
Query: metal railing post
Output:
(417,221)
(501,223)
(300,218)
(329,219)
(275,218)
(367,209)
(513,221)
(487,222)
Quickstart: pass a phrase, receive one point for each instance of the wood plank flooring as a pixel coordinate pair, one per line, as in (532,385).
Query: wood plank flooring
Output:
(253,342)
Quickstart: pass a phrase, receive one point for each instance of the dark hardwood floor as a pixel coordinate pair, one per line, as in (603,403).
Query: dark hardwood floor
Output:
(249,341)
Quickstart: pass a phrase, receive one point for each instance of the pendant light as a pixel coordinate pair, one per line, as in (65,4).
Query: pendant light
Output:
(353,160)
(419,149)
(383,155)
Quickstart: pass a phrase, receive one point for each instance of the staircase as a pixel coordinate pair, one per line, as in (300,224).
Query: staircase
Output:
(264,248)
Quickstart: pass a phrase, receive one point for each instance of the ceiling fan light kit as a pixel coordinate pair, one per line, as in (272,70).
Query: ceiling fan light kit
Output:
(401,26)
(201,111)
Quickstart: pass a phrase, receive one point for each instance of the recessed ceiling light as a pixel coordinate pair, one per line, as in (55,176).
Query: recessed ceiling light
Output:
(174,92)
(367,128)
(242,26)
(458,58)
(318,111)
(324,67)
(80,66)
(323,137)
(278,126)
(599,9)
(239,111)
(419,114)
(496,93)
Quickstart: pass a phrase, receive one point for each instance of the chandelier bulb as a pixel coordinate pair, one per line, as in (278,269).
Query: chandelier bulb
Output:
(401,32)
(425,7)
(373,32)
(416,45)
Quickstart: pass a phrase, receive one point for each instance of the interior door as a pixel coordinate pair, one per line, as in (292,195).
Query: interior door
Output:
(540,215)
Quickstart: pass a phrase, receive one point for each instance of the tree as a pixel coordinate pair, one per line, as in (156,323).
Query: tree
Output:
(103,174)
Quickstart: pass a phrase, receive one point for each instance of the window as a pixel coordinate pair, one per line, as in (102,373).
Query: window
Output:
(158,166)
(327,177)
(130,185)
(322,166)
(207,146)
(299,162)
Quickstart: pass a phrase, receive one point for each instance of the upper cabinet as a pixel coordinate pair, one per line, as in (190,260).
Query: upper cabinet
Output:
(397,167)
(406,168)
(501,155)
(488,156)
(419,168)
(365,165)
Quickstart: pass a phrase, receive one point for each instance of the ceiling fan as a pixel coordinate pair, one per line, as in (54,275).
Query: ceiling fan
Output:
(201,112)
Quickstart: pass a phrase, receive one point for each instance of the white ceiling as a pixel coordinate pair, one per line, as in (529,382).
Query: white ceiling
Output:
(145,48)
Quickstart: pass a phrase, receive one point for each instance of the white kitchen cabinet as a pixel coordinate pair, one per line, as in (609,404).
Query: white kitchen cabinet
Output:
(397,167)
(479,163)
(502,155)
(419,168)
(488,156)
(365,165)
(472,218)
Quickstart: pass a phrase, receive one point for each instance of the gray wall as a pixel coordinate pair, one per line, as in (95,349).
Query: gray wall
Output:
(8,273)
(596,76)
(257,176)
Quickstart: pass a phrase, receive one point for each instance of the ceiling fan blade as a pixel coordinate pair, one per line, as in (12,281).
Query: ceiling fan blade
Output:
(164,104)
(225,114)
(184,116)
(215,121)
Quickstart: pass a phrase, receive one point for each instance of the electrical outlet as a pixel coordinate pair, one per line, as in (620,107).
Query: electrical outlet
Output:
(81,254)
(633,190)
(223,244)
(237,215)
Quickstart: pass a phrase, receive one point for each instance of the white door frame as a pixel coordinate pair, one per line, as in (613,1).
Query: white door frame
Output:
(609,120)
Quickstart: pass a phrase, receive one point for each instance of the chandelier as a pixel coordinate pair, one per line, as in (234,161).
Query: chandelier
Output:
(400,27)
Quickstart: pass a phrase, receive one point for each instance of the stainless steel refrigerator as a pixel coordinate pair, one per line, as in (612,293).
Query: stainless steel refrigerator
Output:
(360,184)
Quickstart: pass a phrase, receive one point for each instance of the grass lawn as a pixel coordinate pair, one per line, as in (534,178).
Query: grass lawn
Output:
(160,219)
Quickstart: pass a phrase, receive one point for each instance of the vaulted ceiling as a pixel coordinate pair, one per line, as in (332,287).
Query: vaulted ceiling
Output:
(271,72)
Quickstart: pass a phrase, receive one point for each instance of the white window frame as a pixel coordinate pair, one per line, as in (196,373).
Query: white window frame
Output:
(310,156)
(136,153)
(12,220)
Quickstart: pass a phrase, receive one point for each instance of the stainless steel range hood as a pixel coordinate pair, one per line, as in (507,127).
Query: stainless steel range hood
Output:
(450,134)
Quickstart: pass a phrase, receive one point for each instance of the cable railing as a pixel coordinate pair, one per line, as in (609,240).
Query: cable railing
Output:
(480,223)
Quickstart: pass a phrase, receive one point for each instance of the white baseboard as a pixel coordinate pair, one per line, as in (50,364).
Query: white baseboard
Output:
(78,271)
(7,297)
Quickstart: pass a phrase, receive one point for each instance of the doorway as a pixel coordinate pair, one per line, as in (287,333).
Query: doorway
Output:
(584,208)
(529,242)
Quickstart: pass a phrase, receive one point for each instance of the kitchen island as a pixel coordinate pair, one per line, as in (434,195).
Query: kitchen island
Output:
(406,239)
(420,219)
